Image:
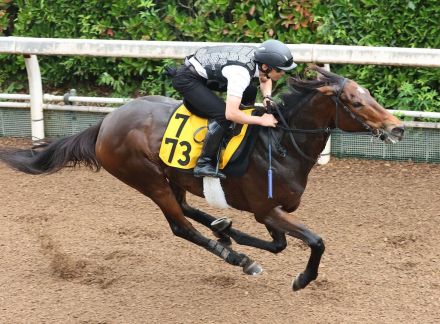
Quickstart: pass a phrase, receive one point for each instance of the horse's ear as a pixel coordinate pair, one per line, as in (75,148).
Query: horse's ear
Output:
(328,90)
(290,81)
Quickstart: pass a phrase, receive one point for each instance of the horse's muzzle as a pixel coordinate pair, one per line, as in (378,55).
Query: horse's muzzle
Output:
(393,135)
(398,132)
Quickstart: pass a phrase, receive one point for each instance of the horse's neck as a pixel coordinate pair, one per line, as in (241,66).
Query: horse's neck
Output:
(315,114)
(290,172)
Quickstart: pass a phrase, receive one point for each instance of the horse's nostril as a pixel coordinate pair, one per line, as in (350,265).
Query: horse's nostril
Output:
(398,131)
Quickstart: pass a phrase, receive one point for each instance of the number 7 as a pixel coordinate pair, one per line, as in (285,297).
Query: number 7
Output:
(173,141)
(182,124)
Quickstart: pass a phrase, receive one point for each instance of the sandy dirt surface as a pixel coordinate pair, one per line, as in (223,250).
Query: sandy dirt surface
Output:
(82,247)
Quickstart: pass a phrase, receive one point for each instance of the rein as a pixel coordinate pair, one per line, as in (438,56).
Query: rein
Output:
(338,102)
(290,131)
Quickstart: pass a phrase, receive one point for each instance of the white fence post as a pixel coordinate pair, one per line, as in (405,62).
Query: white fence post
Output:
(325,154)
(36,93)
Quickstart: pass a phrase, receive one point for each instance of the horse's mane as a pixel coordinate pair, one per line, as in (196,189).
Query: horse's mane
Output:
(301,89)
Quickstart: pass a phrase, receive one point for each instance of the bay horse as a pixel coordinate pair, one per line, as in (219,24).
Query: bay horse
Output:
(126,143)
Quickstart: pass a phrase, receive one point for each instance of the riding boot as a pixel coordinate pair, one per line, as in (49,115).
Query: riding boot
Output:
(207,162)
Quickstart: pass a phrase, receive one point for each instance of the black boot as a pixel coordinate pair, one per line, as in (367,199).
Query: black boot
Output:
(207,162)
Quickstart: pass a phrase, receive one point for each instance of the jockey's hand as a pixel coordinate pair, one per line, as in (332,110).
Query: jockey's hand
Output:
(266,101)
(268,120)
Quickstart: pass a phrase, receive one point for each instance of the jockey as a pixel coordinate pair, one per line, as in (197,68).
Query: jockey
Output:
(229,69)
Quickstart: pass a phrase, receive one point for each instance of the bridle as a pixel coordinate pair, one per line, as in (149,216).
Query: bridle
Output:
(337,100)
(326,131)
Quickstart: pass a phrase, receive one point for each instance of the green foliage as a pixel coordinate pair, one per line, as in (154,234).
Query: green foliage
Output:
(12,66)
(3,21)
(396,23)
(402,23)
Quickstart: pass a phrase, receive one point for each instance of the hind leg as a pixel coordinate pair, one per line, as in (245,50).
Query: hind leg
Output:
(181,227)
(197,215)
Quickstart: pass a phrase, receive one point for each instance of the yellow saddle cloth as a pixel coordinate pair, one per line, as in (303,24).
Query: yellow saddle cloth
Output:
(183,140)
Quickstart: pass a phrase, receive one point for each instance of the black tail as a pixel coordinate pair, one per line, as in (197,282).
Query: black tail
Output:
(73,150)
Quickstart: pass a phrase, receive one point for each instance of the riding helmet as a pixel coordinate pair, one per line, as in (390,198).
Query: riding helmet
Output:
(275,54)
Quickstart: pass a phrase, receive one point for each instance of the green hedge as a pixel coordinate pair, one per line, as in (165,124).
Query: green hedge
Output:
(388,23)
(346,22)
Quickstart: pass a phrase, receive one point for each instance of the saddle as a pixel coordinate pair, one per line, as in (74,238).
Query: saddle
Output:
(183,141)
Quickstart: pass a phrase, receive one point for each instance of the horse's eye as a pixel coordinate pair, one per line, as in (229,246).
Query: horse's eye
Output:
(357,105)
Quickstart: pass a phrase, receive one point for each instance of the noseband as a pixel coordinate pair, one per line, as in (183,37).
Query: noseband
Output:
(338,102)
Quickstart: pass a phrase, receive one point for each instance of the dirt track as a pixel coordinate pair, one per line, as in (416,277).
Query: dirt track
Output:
(82,247)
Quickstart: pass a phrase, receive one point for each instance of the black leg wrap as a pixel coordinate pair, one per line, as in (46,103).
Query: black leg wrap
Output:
(219,250)
(249,266)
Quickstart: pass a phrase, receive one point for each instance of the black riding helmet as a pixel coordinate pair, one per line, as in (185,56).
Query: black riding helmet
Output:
(275,54)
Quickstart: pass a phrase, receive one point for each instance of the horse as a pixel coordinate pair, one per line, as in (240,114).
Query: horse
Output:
(126,143)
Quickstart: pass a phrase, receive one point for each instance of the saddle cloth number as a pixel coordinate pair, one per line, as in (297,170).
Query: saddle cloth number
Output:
(183,140)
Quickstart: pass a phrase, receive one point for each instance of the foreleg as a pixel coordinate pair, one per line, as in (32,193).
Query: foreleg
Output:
(282,221)
(278,244)
(224,231)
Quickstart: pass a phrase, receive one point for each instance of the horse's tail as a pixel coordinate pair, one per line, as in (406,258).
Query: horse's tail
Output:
(78,149)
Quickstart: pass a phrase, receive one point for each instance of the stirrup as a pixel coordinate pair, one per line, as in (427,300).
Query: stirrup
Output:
(208,171)
(218,174)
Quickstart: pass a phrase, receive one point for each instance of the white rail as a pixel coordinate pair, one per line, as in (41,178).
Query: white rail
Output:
(52,98)
(311,53)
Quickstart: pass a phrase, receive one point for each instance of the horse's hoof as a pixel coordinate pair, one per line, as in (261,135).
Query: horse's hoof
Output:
(298,282)
(253,269)
(224,240)
(221,224)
